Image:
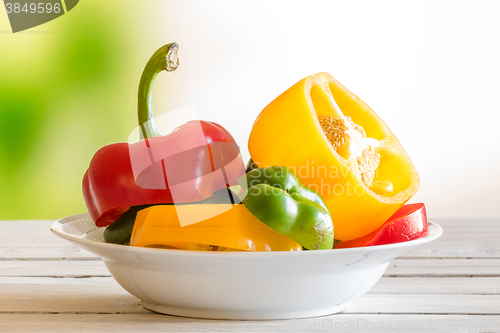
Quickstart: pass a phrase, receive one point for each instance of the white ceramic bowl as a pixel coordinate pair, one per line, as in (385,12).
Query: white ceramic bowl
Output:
(240,285)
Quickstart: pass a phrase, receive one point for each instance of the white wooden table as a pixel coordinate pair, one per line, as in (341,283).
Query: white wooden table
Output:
(450,285)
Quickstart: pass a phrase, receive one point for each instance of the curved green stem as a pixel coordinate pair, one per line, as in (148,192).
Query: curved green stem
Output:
(164,59)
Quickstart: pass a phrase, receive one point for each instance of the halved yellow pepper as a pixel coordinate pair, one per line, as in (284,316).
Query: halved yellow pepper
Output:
(235,228)
(339,146)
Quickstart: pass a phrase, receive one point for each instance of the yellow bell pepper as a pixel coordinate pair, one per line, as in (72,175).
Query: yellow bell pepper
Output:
(338,146)
(233,229)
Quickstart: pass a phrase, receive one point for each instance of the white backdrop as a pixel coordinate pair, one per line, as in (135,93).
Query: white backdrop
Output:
(430,69)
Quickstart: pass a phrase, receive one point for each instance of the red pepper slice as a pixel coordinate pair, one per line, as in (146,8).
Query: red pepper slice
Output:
(409,222)
(187,165)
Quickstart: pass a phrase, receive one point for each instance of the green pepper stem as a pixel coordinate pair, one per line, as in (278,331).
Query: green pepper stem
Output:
(164,59)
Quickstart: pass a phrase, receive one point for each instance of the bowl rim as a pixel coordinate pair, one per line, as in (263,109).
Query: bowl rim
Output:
(434,232)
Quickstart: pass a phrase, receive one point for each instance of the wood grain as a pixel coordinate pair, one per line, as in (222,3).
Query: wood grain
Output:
(150,322)
(33,239)
(449,285)
(59,268)
(397,267)
(462,238)
(104,295)
(441,286)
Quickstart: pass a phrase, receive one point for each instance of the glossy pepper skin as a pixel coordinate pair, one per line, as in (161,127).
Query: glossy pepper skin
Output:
(186,165)
(120,231)
(408,223)
(275,196)
(235,228)
(288,132)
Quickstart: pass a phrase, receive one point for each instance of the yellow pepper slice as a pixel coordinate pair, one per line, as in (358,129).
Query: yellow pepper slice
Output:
(235,228)
(340,147)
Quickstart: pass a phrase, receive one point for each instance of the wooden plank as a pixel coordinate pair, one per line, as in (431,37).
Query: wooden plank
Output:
(459,225)
(397,267)
(33,239)
(56,251)
(426,285)
(390,295)
(386,285)
(443,267)
(151,322)
(462,238)
(85,295)
(56,269)
(420,291)
(427,304)
(459,246)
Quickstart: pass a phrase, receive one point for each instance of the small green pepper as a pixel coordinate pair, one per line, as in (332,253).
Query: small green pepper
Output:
(119,232)
(276,197)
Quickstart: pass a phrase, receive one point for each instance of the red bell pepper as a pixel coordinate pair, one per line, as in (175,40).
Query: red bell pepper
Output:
(187,165)
(409,222)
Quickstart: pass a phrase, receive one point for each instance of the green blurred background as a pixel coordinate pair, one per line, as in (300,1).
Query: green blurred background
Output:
(69,87)
(65,91)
